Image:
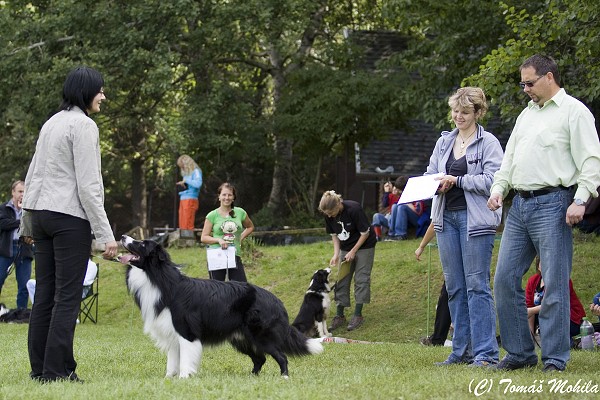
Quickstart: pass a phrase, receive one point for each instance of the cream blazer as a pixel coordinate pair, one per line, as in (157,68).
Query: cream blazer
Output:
(65,173)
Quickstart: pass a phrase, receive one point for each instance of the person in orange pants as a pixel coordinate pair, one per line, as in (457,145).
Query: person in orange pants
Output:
(189,188)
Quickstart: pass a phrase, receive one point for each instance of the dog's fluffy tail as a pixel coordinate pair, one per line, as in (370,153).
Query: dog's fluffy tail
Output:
(296,344)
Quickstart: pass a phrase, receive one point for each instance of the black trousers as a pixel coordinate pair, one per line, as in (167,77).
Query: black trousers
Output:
(235,274)
(442,318)
(62,249)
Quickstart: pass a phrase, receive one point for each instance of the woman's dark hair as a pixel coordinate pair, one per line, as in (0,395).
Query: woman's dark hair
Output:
(81,86)
(229,186)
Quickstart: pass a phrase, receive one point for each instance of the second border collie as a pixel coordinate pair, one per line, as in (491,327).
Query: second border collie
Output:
(312,317)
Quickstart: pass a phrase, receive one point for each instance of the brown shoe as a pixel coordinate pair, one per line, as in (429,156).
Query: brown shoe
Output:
(355,322)
(337,322)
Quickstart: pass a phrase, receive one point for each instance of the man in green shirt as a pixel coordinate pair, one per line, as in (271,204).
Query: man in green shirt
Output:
(552,161)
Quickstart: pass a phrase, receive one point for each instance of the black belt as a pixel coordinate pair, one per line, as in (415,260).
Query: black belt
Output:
(527,194)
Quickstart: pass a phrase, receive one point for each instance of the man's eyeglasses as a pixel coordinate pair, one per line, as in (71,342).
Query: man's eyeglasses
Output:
(530,84)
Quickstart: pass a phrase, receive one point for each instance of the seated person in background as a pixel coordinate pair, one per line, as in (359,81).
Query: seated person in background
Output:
(404,215)
(90,275)
(390,195)
(595,306)
(534,295)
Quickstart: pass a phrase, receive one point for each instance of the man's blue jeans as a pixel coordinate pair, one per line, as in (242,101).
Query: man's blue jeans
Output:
(466,264)
(535,226)
(22,274)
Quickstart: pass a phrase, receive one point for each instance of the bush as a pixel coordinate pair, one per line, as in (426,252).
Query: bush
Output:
(297,219)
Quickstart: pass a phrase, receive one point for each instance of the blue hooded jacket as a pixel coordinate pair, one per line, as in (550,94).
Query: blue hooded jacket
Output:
(193,183)
(484,156)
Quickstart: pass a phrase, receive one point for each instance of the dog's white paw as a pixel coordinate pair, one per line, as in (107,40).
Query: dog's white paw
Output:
(171,374)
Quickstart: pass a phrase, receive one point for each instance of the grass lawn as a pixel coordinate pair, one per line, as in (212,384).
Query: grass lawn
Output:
(119,362)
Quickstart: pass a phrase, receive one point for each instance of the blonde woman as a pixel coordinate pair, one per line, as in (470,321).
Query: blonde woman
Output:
(353,242)
(468,156)
(189,188)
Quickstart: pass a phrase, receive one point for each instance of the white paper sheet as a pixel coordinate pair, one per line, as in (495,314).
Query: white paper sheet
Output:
(218,258)
(420,188)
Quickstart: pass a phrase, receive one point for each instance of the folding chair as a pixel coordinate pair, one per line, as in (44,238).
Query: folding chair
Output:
(88,309)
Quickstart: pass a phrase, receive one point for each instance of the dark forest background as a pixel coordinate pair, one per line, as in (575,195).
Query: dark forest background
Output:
(266,93)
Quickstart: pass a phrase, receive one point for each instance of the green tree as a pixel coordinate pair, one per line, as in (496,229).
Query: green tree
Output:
(280,55)
(265,41)
(446,42)
(567,31)
(265,88)
(325,110)
(121,40)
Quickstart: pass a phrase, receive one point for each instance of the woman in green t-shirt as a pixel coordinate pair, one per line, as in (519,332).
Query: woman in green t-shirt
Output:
(227,226)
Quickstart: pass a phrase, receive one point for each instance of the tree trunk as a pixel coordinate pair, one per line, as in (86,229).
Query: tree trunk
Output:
(283,151)
(139,194)
(315,186)
(283,146)
(281,176)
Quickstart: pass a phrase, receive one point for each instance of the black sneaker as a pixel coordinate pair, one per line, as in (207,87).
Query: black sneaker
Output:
(74,378)
(36,377)
(549,368)
(453,361)
(507,365)
(71,378)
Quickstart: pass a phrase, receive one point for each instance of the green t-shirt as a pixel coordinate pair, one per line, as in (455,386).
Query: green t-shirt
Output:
(228,228)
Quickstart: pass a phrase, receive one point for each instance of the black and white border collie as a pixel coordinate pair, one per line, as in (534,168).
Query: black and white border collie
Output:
(17,315)
(312,317)
(182,314)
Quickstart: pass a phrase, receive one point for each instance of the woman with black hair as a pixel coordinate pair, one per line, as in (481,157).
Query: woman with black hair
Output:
(224,227)
(64,204)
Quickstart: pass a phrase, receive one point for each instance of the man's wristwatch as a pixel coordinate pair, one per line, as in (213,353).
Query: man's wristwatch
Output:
(579,202)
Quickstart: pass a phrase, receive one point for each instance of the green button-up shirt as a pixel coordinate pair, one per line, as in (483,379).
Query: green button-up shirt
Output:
(553,145)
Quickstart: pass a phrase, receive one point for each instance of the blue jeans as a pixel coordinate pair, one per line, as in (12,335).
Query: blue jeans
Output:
(22,273)
(466,264)
(535,226)
(380,219)
(402,215)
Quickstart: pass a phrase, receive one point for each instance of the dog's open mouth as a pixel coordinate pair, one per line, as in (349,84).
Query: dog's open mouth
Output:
(127,258)
(127,241)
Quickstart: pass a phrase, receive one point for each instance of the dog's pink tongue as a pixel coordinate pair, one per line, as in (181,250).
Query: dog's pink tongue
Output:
(124,259)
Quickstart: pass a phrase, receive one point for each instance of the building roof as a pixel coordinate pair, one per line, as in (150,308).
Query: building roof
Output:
(377,46)
(407,153)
